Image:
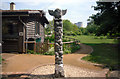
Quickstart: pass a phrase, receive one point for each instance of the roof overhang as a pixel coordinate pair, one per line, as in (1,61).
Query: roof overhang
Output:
(19,12)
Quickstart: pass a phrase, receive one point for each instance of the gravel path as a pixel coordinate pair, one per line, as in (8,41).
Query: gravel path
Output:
(70,71)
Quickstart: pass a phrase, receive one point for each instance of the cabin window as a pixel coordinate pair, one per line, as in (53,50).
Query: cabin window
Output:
(10,29)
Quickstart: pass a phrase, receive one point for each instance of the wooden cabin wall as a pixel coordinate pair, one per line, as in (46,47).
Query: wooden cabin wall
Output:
(42,32)
(12,42)
(30,29)
(24,37)
(16,43)
(9,38)
(21,37)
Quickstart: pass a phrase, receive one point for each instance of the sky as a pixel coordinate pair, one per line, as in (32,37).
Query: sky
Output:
(77,10)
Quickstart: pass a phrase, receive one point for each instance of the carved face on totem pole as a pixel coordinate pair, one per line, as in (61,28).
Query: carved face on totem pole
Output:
(57,13)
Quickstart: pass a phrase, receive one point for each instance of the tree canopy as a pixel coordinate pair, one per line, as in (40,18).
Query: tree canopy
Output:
(68,28)
(107,18)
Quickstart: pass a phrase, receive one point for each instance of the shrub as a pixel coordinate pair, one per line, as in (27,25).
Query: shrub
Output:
(101,37)
(50,52)
(74,47)
(67,49)
(30,52)
(51,39)
(70,48)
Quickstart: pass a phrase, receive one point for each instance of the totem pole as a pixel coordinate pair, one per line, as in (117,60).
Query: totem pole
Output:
(58,28)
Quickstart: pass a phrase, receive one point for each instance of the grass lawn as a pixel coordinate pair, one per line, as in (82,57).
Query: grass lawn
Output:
(106,54)
(105,50)
(93,39)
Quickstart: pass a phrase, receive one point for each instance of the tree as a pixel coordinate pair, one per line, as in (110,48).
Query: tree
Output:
(49,27)
(108,18)
(67,25)
(92,27)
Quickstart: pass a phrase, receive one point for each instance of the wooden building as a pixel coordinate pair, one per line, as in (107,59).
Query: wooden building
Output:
(20,26)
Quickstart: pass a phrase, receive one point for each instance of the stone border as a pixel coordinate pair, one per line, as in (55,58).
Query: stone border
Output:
(30,71)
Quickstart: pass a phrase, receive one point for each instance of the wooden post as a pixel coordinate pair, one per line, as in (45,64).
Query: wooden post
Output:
(35,47)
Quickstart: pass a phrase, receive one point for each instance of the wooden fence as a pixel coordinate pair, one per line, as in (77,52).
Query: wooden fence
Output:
(44,47)
(38,46)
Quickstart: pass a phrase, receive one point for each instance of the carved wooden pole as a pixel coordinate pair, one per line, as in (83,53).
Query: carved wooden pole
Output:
(58,28)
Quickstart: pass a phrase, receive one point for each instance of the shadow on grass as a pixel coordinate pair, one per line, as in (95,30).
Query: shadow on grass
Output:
(106,54)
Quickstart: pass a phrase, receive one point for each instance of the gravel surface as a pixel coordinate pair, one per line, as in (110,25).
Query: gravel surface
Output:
(70,71)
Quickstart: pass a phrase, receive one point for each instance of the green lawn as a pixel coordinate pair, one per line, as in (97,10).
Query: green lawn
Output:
(92,39)
(105,50)
(106,54)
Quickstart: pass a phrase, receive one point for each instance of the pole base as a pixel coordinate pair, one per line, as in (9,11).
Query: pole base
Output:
(59,72)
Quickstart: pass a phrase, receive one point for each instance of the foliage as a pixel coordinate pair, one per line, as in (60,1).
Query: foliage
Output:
(92,28)
(51,39)
(74,47)
(1,59)
(49,28)
(31,52)
(68,29)
(83,31)
(50,52)
(67,25)
(72,29)
(107,18)
(67,49)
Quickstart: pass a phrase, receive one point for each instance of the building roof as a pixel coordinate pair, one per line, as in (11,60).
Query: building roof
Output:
(36,13)
(21,12)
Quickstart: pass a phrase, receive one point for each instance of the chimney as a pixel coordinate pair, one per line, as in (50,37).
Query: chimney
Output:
(12,6)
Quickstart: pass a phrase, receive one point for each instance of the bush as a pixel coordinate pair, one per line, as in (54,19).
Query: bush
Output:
(31,52)
(67,49)
(70,48)
(64,40)
(50,52)
(74,47)
(101,37)
(51,39)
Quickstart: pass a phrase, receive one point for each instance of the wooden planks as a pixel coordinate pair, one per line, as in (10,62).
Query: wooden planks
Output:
(42,47)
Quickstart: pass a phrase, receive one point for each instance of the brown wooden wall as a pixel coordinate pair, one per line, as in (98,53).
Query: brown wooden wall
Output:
(21,39)
(12,42)
(16,43)
(10,46)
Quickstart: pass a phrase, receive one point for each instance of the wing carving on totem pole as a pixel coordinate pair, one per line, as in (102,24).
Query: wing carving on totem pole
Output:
(64,12)
(51,12)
